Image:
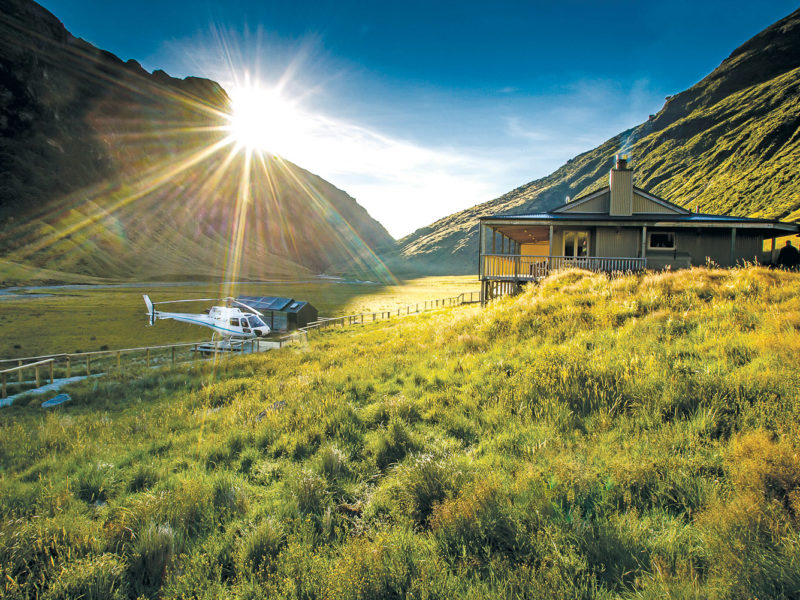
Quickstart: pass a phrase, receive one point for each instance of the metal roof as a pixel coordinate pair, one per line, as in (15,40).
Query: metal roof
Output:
(265,302)
(273,303)
(690,218)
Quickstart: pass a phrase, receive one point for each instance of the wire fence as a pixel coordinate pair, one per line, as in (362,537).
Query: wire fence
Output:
(23,374)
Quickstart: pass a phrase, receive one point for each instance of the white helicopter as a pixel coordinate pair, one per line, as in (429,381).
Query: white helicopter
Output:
(230,322)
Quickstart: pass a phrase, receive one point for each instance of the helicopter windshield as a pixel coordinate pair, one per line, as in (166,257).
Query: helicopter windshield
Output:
(255,321)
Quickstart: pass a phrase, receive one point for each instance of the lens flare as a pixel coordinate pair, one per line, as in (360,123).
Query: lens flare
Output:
(193,185)
(261,119)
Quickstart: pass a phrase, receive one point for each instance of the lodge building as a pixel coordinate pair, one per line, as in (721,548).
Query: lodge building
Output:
(617,228)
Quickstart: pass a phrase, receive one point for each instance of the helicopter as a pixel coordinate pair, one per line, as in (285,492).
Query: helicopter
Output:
(228,321)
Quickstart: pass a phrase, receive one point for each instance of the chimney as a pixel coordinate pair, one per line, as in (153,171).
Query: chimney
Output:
(620,179)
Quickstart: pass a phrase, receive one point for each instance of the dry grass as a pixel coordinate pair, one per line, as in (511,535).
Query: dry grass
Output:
(634,438)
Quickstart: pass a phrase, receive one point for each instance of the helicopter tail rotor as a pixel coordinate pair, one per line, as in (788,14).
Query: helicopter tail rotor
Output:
(151,311)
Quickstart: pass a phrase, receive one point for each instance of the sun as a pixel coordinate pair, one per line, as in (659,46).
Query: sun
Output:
(261,119)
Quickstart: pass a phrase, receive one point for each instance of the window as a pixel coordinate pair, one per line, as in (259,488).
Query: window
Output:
(658,240)
(576,243)
(235,322)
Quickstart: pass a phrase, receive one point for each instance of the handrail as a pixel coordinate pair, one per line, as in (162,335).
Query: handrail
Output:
(20,368)
(545,256)
(98,352)
(26,366)
(534,267)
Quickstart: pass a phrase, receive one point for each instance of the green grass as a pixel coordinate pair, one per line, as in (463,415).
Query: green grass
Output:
(632,438)
(113,318)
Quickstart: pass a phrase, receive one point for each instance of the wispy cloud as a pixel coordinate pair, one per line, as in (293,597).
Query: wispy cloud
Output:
(455,151)
(401,183)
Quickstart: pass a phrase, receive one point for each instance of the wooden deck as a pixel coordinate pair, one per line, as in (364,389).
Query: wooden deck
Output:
(503,274)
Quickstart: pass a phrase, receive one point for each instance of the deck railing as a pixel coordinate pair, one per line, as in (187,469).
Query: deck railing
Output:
(521,267)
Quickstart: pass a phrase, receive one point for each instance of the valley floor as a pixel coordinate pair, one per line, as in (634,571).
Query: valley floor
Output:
(81,318)
(590,438)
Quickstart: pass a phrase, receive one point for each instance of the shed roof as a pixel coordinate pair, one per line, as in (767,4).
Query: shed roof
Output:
(265,302)
(289,305)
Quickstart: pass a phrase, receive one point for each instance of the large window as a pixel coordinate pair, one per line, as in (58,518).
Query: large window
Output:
(576,243)
(661,240)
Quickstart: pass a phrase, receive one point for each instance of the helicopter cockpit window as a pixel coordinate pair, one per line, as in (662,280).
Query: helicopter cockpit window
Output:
(235,322)
(256,322)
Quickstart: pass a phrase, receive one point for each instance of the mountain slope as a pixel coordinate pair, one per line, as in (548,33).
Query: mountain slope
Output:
(115,172)
(730,144)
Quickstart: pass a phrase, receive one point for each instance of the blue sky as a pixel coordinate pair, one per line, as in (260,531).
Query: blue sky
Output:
(419,109)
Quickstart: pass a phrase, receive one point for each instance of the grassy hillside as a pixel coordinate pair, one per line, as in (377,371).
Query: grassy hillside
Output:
(633,438)
(727,145)
(113,172)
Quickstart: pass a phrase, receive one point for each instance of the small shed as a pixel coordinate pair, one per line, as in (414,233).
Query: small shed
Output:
(282,314)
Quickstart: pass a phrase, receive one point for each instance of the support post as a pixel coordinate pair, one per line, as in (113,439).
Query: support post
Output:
(119,359)
(148,357)
(5,392)
(480,247)
(173,355)
(733,246)
(644,241)
(88,367)
(69,367)
(51,372)
(19,373)
(36,371)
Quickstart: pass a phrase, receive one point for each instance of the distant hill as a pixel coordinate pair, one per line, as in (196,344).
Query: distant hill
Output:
(110,171)
(730,144)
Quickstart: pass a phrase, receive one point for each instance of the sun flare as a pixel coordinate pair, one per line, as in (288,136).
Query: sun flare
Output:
(261,119)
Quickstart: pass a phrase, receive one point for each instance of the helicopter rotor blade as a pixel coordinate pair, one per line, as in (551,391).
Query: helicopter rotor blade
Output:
(247,306)
(190,300)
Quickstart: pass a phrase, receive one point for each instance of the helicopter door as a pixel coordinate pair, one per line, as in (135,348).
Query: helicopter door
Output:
(245,326)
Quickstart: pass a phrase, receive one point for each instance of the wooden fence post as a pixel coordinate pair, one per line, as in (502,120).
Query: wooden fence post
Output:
(19,373)
(69,366)
(51,371)
(5,393)
(173,356)
(119,359)
(88,368)
(36,370)
(148,357)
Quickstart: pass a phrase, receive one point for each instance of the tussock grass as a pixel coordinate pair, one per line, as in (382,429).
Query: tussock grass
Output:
(590,438)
